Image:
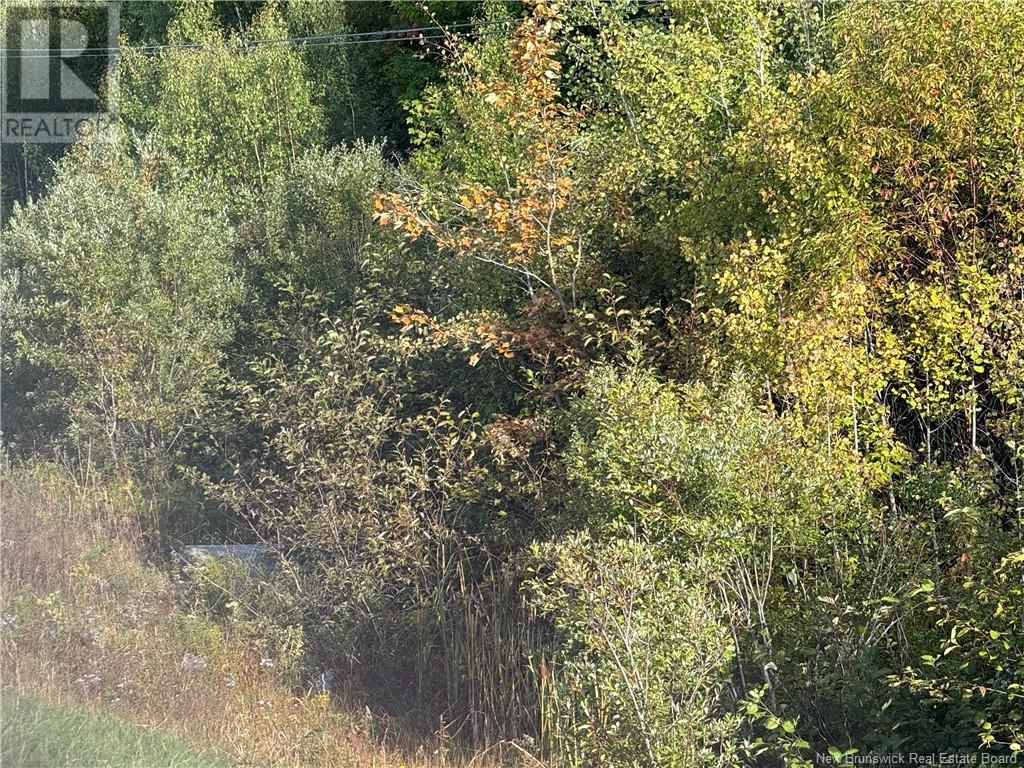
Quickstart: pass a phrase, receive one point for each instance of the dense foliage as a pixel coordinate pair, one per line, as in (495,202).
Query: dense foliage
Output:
(631,383)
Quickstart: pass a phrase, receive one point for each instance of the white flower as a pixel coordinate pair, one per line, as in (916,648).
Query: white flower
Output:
(191,662)
(266,663)
(89,679)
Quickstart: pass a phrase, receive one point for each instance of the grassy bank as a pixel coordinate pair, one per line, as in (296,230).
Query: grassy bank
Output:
(128,646)
(37,734)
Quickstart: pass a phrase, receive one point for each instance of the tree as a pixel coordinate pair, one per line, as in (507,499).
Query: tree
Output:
(503,199)
(119,294)
(230,113)
(879,290)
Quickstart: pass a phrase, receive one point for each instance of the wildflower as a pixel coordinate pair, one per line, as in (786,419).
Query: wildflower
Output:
(89,679)
(191,662)
(133,612)
(266,663)
(230,681)
(8,620)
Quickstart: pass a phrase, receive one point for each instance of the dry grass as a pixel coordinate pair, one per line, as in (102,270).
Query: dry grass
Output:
(88,623)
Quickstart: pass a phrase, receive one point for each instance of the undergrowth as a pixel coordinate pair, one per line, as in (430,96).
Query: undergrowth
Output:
(94,621)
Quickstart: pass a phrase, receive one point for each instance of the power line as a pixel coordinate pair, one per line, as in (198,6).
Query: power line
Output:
(408,35)
(354,38)
(315,41)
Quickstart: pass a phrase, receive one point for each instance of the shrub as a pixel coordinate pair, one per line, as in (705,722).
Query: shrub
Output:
(313,230)
(333,457)
(119,296)
(708,475)
(642,660)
